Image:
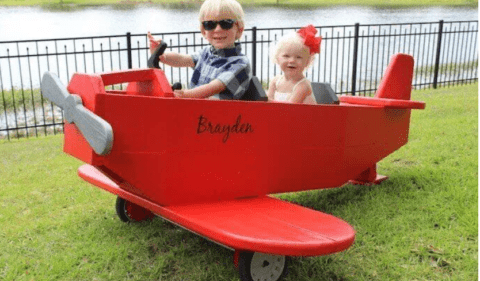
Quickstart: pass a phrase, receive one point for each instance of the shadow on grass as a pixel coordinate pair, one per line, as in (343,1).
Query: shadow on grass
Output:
(332,199)
(173,250)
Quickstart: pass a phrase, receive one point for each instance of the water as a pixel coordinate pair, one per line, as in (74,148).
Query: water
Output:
(25,23)
(42,117)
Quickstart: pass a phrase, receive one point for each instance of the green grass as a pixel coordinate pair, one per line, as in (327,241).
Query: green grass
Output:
(421,224)
(67,4)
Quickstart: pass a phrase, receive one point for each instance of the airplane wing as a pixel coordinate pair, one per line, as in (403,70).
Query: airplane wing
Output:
(261,224)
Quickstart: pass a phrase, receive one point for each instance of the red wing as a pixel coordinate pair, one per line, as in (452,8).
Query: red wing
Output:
(261,224)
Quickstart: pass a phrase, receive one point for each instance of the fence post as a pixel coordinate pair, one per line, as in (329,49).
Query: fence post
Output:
(129,50)
(437,58)
(254,51)
(355,55)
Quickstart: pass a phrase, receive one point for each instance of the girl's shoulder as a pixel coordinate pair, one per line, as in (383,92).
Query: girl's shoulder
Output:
(304,85)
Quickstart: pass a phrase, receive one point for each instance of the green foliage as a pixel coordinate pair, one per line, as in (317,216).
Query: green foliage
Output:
(19,98)
(420,224)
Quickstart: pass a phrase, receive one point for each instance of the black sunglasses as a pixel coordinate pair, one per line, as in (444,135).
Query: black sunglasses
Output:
(224,24)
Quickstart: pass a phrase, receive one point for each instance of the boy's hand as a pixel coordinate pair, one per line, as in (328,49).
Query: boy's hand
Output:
(179,93)
(153,42)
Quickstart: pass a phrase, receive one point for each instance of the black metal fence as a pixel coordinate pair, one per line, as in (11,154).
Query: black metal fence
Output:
(352,60)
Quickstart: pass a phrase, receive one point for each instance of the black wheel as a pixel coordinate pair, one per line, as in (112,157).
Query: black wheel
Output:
(130,212)
(259,266)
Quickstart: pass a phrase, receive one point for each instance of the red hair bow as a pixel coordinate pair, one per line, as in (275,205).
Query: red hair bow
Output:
(309,39)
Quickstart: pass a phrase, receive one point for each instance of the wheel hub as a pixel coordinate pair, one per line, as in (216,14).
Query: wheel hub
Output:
(266,267)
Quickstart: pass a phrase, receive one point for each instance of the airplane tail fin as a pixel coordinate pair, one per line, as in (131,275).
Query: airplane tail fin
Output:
(397,80)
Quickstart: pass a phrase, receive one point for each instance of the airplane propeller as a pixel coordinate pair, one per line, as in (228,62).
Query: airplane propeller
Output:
(154,60)
(97,131)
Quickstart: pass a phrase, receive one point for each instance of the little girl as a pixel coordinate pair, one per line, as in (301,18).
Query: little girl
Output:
(294,53)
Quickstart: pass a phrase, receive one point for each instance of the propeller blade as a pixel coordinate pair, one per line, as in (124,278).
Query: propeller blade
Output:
(97,132)
(54,90)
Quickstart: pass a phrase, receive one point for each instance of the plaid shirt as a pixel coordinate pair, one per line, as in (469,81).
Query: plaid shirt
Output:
(229,66)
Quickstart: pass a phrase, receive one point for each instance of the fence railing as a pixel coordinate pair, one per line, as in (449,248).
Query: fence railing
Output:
(352,60)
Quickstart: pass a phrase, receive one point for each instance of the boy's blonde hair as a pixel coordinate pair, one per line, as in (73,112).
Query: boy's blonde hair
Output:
(228,7)
(293,39)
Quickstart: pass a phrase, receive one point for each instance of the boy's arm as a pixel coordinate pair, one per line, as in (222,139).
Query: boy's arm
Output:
(172,59)
(204,91)
(177,60)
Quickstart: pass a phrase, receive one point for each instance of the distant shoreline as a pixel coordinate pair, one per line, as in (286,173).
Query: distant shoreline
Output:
(78,4)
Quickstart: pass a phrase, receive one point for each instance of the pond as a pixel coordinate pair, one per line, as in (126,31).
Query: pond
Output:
(26,23)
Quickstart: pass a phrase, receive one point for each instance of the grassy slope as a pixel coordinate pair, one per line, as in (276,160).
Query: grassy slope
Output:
(421,224)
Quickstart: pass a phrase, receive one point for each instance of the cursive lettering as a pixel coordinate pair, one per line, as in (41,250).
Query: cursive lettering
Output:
(205,126)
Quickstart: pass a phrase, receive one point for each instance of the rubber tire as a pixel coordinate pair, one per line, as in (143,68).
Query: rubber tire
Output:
(245,265)
(123,206)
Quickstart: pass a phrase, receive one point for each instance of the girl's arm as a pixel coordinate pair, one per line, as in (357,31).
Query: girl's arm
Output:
(301,92)
(204,91)
(271,89)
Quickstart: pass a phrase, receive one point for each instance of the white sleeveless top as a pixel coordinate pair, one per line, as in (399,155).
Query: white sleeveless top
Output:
(283,97)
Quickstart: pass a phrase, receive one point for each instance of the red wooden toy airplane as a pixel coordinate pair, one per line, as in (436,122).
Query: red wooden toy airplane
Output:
(209,165)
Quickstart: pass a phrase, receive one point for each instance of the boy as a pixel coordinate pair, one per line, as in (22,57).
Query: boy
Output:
(220,69)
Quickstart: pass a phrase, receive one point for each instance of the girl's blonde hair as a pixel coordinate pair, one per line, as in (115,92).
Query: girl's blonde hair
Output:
(227,7)
(292,39)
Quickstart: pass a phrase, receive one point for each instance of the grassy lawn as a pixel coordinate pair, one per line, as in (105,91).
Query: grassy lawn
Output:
(421,224)
(286,3)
